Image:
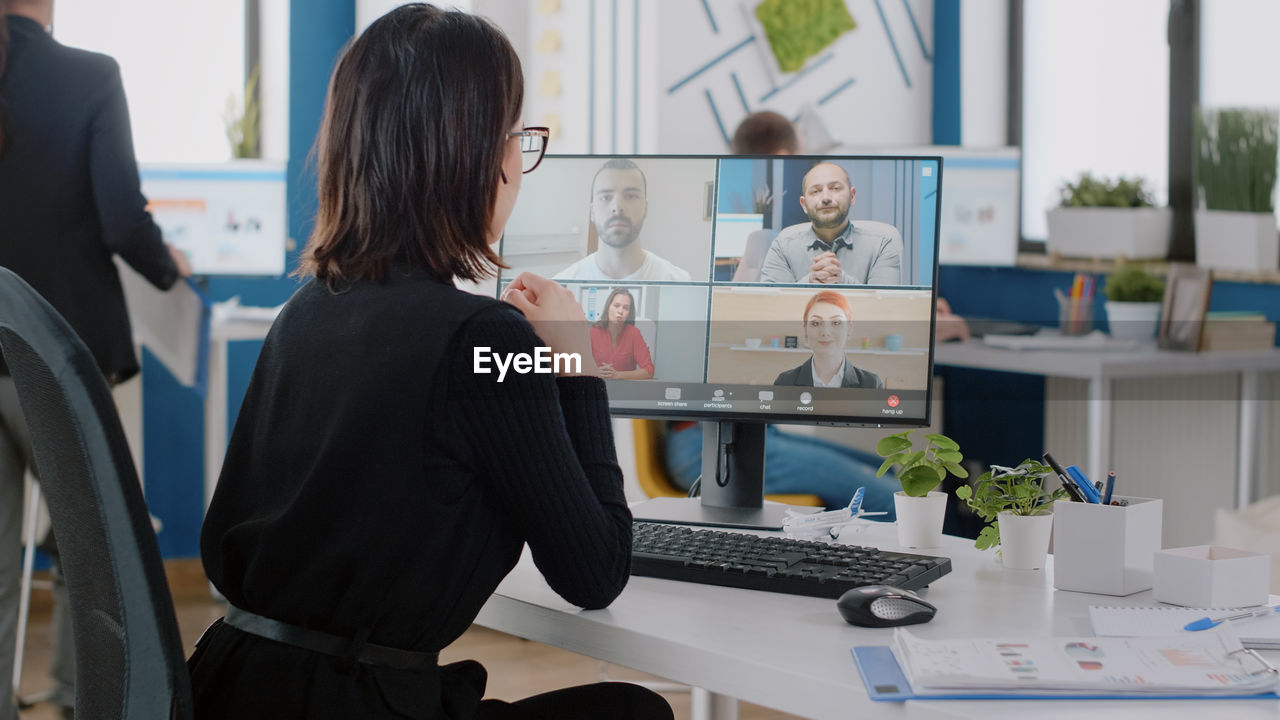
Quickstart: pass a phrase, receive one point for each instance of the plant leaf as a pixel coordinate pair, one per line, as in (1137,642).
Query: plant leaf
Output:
(912,460)
(957,470)
(892,445)
(946,456)
(964,492)
(988,538)
(918,481)
(888,463)
(943,442)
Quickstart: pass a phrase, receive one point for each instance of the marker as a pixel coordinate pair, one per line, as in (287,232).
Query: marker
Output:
(1082,482)
(1111,486)
(1067,483)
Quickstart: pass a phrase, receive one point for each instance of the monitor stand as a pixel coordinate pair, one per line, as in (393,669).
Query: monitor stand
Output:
(732,484)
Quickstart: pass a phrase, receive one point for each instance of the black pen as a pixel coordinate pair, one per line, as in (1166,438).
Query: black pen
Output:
(1067,483)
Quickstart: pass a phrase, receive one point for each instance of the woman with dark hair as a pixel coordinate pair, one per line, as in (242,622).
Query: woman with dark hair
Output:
(376,489)
(617,346)
(826,332)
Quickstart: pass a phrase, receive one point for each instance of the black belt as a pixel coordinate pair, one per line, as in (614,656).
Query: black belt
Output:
(322,642)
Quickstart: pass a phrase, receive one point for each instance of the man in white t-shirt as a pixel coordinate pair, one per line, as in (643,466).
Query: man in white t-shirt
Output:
(618,209)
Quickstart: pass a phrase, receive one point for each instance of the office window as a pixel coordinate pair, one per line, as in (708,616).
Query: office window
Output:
(180,60)
(1095,96)
(1237,53)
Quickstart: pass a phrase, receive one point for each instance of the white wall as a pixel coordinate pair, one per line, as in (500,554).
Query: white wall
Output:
(984,73)
(369,10)
(180,61)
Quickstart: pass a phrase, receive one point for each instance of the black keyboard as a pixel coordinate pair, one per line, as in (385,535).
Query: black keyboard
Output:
(775,564)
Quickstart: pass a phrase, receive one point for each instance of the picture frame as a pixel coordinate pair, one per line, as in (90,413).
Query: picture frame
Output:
(1186,300)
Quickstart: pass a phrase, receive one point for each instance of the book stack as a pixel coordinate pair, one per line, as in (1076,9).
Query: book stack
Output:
(1237,331)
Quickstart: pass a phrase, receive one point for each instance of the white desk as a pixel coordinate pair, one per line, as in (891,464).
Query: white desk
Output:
(221,332)
(1099,368)
(792,653)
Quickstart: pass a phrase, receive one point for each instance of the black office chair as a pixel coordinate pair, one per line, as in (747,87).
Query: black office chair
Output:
(128,651)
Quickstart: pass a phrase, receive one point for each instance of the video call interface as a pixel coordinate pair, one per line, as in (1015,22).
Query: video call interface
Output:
(794,288)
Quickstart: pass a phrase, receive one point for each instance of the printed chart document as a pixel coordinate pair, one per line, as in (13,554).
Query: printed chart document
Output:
(1257,633)
(173,324)
(1204,663)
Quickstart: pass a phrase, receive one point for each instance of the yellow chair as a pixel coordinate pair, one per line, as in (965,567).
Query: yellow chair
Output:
(651,468)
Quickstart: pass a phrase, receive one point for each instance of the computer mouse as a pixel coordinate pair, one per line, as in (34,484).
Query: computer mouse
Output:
(883,606)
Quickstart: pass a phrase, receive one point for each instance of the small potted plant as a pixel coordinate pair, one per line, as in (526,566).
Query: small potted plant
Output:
(1097,218)
(1019,509)
(920,507)
(1133,303)
(1236,176)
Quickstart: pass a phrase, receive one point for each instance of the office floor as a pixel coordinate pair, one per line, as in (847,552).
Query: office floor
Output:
(517,668)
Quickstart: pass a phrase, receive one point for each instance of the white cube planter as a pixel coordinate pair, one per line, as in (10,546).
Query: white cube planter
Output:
(1237,241)
(1211,576)
(1103,232)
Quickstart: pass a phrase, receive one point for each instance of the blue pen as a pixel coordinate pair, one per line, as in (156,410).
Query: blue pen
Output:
(1111,486)
(1082,483)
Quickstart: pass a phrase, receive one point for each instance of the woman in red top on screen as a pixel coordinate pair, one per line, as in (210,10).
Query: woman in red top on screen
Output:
(618,347)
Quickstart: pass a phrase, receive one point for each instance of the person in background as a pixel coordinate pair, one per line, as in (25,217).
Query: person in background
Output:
(69,202)
(765,133)
(617,346)
(826,321)
(797,463)
(377,487)
(619,204)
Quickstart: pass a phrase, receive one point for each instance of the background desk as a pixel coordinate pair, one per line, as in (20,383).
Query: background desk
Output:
(1182,370)
(221,332)
(792,653)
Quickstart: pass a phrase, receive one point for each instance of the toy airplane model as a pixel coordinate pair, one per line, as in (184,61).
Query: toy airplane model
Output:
(826,524)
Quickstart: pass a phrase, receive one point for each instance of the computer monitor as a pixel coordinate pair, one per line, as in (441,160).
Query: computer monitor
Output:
(229,218)
(820,312)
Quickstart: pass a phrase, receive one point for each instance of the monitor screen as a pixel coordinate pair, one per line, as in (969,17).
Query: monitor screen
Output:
(746,290)
(229,218)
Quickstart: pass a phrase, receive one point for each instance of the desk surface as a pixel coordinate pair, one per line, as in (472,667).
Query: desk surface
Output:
(1142,362)
(792,653)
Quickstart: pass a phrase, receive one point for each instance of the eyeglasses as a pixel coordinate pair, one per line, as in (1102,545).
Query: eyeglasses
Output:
(533,145)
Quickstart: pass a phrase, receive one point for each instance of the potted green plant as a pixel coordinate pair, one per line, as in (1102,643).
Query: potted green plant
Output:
(1236,177)
(1099,218)
(1133,302)
(920,507)
(1019,509)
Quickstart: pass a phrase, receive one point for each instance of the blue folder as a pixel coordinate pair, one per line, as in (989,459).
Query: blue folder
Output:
(886,682)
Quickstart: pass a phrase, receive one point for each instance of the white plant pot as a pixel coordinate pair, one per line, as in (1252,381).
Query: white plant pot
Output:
(1237,241)
(1133,320)
(1024,540)
(1102,232)
(920,519)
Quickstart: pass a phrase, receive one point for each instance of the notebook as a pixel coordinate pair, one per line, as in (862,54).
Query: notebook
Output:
(1258,633)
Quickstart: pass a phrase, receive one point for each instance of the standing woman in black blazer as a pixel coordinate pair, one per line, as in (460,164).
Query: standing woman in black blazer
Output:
(69,201)
(376,487)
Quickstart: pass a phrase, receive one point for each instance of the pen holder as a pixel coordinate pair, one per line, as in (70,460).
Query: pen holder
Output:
(1075,315)
(1106,549)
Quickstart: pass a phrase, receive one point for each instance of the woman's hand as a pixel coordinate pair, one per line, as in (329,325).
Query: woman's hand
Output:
(555,315)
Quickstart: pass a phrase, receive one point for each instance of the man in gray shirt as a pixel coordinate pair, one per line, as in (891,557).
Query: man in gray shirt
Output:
(831,248)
